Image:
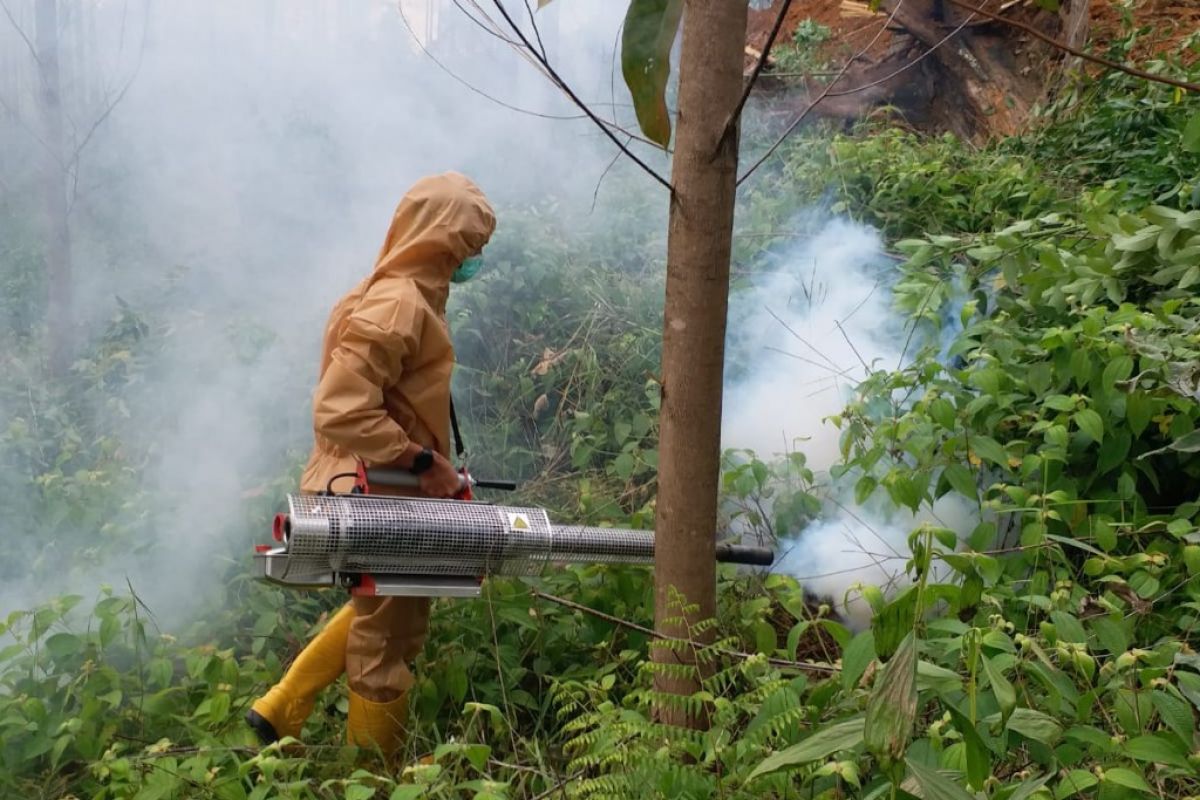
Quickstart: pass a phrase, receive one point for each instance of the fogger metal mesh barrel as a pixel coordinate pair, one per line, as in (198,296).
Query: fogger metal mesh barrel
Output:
(350,534)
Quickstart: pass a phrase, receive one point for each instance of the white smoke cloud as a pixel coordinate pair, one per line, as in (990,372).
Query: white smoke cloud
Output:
(800,342)
(248,177)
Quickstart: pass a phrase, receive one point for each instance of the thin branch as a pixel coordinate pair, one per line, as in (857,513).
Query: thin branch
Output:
(906,67)
(777,662)
(828,88)
(854,349)
(537,33)
(500,676)
(466,83)
(21,32)
(109,109)
(558,81)
(603,175)
(1066,48)
(490,31)
(503,104)
(528,54)
(803,341)
(762,62)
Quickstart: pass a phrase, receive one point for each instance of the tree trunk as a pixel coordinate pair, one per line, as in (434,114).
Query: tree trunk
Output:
(704,172)
(59,319)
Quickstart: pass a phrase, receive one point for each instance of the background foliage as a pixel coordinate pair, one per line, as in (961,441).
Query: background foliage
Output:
(1050,655)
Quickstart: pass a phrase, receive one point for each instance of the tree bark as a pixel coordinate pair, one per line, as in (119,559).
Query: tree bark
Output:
(704,172)
(59,319)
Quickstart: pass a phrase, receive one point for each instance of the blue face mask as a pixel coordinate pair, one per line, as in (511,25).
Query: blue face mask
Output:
(467,269)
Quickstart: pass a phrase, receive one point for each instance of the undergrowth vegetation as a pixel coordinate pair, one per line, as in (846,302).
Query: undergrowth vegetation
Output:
(1047,653)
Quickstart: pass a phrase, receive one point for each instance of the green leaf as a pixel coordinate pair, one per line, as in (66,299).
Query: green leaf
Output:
(856,657)
(942,411)
(822,744)
(1139,241)
(1189,685)
(1059,402)
(1026,789)
(979,759)
(411,791)
(962,480)
(1074,782)
(1189,443)
(864,488)
(1119,369)
(894,622)
(1177,715)
(892,709)
(1145,584)
(1191,134)
(456,682)
(987,448)
(1068,627)
(1090,423)
(624,465)
(357,791)
(1157,750)
(62,645)
(1127,778)
(1138,411)
(646,41)
(1035,725)
(935,786)
(1006,695)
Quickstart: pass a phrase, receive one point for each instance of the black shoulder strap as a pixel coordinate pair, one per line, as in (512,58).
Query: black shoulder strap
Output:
(458,444)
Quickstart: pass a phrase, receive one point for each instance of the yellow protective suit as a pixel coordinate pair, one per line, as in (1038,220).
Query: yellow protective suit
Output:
(385,382)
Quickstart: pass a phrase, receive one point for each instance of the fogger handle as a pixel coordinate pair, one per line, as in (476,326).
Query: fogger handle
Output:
(385,476)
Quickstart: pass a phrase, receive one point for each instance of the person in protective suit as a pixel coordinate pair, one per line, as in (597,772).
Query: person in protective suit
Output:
(384,398)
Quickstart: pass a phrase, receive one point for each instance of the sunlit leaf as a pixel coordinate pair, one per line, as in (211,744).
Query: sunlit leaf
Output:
(825,742)
(646,41)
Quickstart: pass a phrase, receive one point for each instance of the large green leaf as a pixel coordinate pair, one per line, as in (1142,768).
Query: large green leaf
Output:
(1177,714)
(1191,134)
(822,744)
(934,785)
(646,41)
(1127,778)
(1006,695)
(892,709)
(979,759)
(1035,725)
(1157,750)
(856,657)
(1074,782)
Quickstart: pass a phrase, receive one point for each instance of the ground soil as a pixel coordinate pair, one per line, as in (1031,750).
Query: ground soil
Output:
(1167,22)
(854,28)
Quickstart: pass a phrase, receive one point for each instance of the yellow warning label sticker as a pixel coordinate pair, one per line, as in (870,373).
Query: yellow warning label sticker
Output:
(518,522)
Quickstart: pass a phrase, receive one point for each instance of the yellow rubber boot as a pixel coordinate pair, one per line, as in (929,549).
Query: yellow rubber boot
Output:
(282,710)
(382,725)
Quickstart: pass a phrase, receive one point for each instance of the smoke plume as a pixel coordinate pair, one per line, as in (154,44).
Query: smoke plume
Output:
(241,177)
(801,340)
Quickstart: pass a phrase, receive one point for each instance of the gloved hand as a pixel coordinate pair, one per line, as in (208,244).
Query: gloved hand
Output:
(440,480)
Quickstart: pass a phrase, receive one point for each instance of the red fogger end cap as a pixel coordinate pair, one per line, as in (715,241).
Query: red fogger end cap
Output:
(262,548)
(365,588)
(277,527)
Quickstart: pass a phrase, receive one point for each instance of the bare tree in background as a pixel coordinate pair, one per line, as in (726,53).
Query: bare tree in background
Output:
(53,185)
(55,56)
